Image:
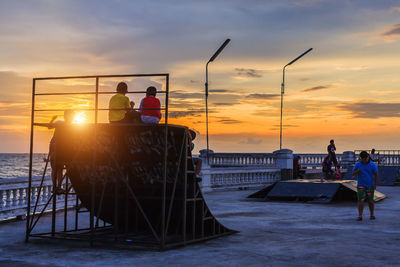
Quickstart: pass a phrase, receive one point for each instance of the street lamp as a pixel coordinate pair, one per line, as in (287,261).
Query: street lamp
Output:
(206,85)
(283,90)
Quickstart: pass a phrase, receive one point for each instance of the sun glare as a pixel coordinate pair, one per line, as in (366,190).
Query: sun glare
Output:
(79,117)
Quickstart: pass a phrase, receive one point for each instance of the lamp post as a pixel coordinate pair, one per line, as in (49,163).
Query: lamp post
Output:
(283,91)
(206,86)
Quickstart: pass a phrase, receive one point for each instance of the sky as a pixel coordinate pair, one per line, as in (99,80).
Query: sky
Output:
(347,88)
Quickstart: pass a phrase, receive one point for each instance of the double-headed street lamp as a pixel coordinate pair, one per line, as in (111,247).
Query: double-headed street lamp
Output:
(206,85)
(283,91)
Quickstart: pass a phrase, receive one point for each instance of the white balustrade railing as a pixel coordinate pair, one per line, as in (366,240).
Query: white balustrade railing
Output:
(14,197)
(315,160)
(264,159)
(389,160)
(241,159)
(228,177)
(384,157)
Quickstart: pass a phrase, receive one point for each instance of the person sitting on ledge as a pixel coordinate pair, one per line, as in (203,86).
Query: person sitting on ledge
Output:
(327,168)
(197,161)
(120,108)
(298,172)
(150,107)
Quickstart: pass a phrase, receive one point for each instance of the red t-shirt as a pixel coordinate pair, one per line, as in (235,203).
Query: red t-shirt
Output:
(150,106)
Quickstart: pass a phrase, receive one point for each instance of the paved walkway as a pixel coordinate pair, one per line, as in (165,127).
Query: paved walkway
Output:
(271,234)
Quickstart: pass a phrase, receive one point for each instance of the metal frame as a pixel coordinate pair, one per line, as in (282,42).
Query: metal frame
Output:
(109,232)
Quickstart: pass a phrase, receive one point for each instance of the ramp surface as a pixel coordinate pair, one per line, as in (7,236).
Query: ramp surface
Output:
(312,191)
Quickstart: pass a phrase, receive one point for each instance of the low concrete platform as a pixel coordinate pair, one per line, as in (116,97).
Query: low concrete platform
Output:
(271,234)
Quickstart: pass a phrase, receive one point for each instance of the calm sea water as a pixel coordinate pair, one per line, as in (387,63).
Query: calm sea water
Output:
(17,165)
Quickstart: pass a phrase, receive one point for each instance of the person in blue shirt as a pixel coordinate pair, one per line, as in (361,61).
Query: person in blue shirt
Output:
(367,179)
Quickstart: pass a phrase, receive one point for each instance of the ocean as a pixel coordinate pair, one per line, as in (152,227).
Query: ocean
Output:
(17,165)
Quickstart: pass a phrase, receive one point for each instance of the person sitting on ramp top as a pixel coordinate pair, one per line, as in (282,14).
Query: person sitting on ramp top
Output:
(150,107)
(120,108)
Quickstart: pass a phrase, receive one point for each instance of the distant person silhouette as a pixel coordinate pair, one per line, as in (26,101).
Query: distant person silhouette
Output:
(374,157)
(332,152)
(58,166)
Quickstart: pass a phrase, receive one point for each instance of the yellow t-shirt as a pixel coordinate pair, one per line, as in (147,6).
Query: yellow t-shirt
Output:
(120,103)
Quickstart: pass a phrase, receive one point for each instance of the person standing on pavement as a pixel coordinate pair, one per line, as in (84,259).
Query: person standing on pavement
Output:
(367,179)
(332,152)
(374,157)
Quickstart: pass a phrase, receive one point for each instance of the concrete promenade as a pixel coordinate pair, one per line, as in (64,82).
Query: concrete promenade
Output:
(271,234)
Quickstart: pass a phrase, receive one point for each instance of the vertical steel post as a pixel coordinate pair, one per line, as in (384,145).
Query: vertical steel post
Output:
(206,96)
(96,103)
(28,212)
(92,198)
(163,205)
(76,211)
(66,203)
(282,93)
(185,187)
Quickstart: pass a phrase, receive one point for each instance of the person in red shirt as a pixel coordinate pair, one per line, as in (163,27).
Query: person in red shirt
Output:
(150,107)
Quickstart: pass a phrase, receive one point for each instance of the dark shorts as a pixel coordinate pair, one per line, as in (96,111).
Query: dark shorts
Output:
(365,193)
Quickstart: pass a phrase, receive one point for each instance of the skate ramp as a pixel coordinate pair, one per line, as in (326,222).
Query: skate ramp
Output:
(312,191)
(120,173)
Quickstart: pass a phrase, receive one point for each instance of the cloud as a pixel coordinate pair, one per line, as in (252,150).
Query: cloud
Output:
(188,113)
(262,96)
(222,104)
(218,91)
(372,110)
(251,141)
(185,95)
(252,73)
(316,88)
(265,113)
(395,30)
(395,9)
(221,98)
(286,126)
(12,85)
(307,3)
(388,34)
(228,121)
(355,68)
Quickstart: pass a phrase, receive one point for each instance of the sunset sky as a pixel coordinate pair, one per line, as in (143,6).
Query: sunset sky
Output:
(347,88)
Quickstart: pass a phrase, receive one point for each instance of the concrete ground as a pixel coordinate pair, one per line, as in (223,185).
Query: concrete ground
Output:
(271,234)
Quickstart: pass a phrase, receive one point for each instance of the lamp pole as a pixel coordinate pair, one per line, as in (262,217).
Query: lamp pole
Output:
(283,91)
(206,86)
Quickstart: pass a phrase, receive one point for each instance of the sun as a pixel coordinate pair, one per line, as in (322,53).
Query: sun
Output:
(79,117)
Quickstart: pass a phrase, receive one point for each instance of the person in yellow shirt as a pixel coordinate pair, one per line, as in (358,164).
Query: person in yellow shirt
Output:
(120,108)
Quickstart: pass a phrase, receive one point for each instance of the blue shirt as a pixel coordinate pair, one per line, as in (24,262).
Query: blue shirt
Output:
(366,177)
